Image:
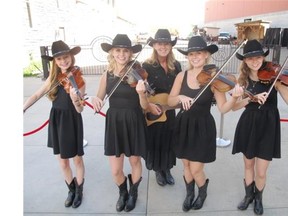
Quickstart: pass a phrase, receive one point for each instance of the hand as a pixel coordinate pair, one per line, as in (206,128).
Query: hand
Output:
(140,87)
(261,98)
(237,91)
(154,109)
(97,104)
(185,101)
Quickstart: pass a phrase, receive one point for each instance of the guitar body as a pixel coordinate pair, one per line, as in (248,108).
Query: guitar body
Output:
(161,101)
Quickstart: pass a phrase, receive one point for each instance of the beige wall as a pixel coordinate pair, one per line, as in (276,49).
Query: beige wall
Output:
(228,9)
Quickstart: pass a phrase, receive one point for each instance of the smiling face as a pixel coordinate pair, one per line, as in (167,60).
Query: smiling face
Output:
(121,55)
(254,63)
(198,58)
(162,48)
(64,62)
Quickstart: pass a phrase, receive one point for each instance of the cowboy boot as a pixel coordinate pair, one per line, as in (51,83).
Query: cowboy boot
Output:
(202,194)
(190,193)
(71,194)
(78,194)
(169,178)
(160,178)
(123,196)
(133,194)
(249,196)
(258,206)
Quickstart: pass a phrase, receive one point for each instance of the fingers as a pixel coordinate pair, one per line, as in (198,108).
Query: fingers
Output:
(186,102)
(262,97)
(97,104)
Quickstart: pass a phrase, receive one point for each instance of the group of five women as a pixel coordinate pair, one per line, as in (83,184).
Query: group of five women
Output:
(141,123)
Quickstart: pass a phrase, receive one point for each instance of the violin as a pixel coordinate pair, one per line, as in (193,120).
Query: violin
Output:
(72,78)
(222,83)
(135,74)
(269,72)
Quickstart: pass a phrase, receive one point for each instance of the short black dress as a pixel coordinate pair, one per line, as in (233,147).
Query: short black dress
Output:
(160,155)
(65,129)
(195,131)
(125,129)
(258,130)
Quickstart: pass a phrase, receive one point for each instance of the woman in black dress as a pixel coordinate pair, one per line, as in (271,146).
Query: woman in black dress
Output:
(195,129)
(257,134)
(125,130)
(162,68)
(65,130)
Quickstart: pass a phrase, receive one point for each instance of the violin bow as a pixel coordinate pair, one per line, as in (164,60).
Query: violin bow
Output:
(219,71)
(275,80)
(125,74)
(45,93)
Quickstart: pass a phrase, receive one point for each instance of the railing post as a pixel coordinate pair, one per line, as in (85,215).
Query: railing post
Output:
(45,63)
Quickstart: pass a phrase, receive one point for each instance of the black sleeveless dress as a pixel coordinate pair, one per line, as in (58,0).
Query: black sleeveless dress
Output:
(125,129)
(195,131)
(258,130)
(65,129)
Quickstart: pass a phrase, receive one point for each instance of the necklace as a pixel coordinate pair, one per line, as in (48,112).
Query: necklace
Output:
(254,83)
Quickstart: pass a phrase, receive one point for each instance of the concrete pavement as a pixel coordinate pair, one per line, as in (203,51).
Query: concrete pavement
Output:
(45,189)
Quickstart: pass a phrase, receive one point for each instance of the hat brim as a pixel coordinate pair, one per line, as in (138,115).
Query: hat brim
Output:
(107,47)
(241,57)
(211,49)
(73,51)
(152,41)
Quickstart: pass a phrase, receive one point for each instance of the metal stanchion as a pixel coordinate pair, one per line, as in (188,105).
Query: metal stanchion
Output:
(220,141)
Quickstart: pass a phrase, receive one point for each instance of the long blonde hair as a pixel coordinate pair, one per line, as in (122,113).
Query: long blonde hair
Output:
(153,60)
(54,72)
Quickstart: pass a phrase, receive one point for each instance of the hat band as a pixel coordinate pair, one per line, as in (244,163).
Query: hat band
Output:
(122,46)
(166,39)
(254,52)
(63,51)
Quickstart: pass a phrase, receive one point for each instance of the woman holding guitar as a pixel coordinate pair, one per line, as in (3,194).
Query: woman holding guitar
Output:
(162,68)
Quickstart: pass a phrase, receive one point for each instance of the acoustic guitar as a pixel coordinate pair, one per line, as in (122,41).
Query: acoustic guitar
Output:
(161,101)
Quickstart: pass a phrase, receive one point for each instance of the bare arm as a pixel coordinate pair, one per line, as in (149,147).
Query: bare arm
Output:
(174,98)
(223,105)
(37,95)
(100,94)
(283,90)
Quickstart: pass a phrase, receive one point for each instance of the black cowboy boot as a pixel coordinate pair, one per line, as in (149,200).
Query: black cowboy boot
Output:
(249,196)
(133,194)
(78,194)
(169,178)
(71,194)
(190,193)
(258,206)
(123,196)
(160,178)
(202,194)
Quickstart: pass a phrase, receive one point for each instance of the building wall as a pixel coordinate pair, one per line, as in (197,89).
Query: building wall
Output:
(216,10)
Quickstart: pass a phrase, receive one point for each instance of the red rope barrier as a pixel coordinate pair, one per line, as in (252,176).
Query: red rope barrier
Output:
(43,125)
(37,129)
(283,120)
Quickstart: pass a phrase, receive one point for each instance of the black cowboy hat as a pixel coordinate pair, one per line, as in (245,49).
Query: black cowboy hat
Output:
(252,48)
(61,48)
(121,41)
(197,43)
(162,36)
